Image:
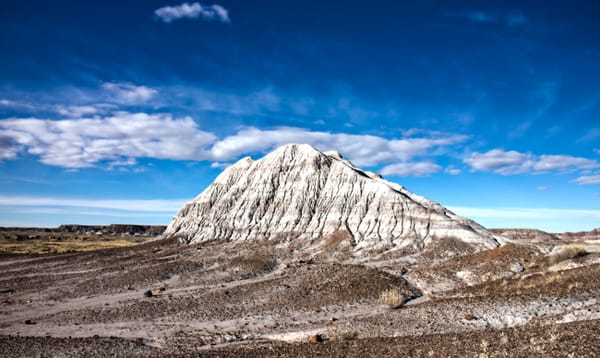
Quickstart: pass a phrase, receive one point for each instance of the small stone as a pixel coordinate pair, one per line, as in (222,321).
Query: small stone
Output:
(317,338)
(470,317)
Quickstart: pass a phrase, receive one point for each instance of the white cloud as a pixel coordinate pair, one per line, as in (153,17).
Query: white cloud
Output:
(17,104)
(220,164)
(80,143)
(499,161)
(8,149)
(543,187)
(597,151)
(8,103)
(363,150)
(588,180)
(513,162)
(122,137)
(561,162)
(411,169)
(452,171)
(193,11)
(126,205)
(76,111)
(129,93)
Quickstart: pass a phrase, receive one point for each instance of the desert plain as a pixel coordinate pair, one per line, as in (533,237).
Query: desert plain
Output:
(536,295)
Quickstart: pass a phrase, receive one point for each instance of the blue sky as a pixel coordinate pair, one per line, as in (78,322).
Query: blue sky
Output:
(119,112)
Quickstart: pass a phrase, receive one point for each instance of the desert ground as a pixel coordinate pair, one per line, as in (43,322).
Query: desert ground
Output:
(535,295)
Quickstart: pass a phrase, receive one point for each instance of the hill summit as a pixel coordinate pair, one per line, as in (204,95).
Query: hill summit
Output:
(299,193)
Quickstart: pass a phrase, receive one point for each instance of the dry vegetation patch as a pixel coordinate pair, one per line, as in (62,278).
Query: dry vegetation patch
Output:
(392,298)
(581,280)
(567,253)
(33,242)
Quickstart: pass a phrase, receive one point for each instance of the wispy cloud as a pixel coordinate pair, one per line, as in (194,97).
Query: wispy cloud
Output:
(499,161)
(22,105)
(588,180)
(544,96)
(592,134)
(193,11)
(509,18)
(129,93)
(418,169)
(64,110)
(515,18)
(125,205)
(76,111)
(452,170)
(562,162)
(479,16)
(513,162)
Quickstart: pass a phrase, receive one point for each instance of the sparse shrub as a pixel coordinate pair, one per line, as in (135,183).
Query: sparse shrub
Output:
(566,253)
(349,333)
(392,298)
(346,332)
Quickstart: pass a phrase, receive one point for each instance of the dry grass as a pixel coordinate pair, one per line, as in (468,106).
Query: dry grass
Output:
(392,298)
(566,253)
(53,243)
(346,332)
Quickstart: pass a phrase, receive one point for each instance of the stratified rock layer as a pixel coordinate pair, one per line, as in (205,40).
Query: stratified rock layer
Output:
(299,193)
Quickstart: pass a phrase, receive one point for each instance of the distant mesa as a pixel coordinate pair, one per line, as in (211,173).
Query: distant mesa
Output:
(299,193)
(112,229)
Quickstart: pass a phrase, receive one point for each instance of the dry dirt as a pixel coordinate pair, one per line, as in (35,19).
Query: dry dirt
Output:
(242,300)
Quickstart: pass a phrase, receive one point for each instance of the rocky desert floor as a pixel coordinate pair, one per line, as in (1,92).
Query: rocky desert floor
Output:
(223,299)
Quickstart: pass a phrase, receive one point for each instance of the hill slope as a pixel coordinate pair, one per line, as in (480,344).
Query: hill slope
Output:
(297,192)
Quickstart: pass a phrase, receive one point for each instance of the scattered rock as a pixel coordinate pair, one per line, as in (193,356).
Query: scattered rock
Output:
(317,338)
(470,317)
(28,321)
(148,293)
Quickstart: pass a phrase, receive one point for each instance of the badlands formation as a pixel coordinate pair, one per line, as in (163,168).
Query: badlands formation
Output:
(298,193)
(301,254)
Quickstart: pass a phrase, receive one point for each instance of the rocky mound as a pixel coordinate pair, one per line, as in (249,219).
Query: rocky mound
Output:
(299,193)
(593,235)
(525,235)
